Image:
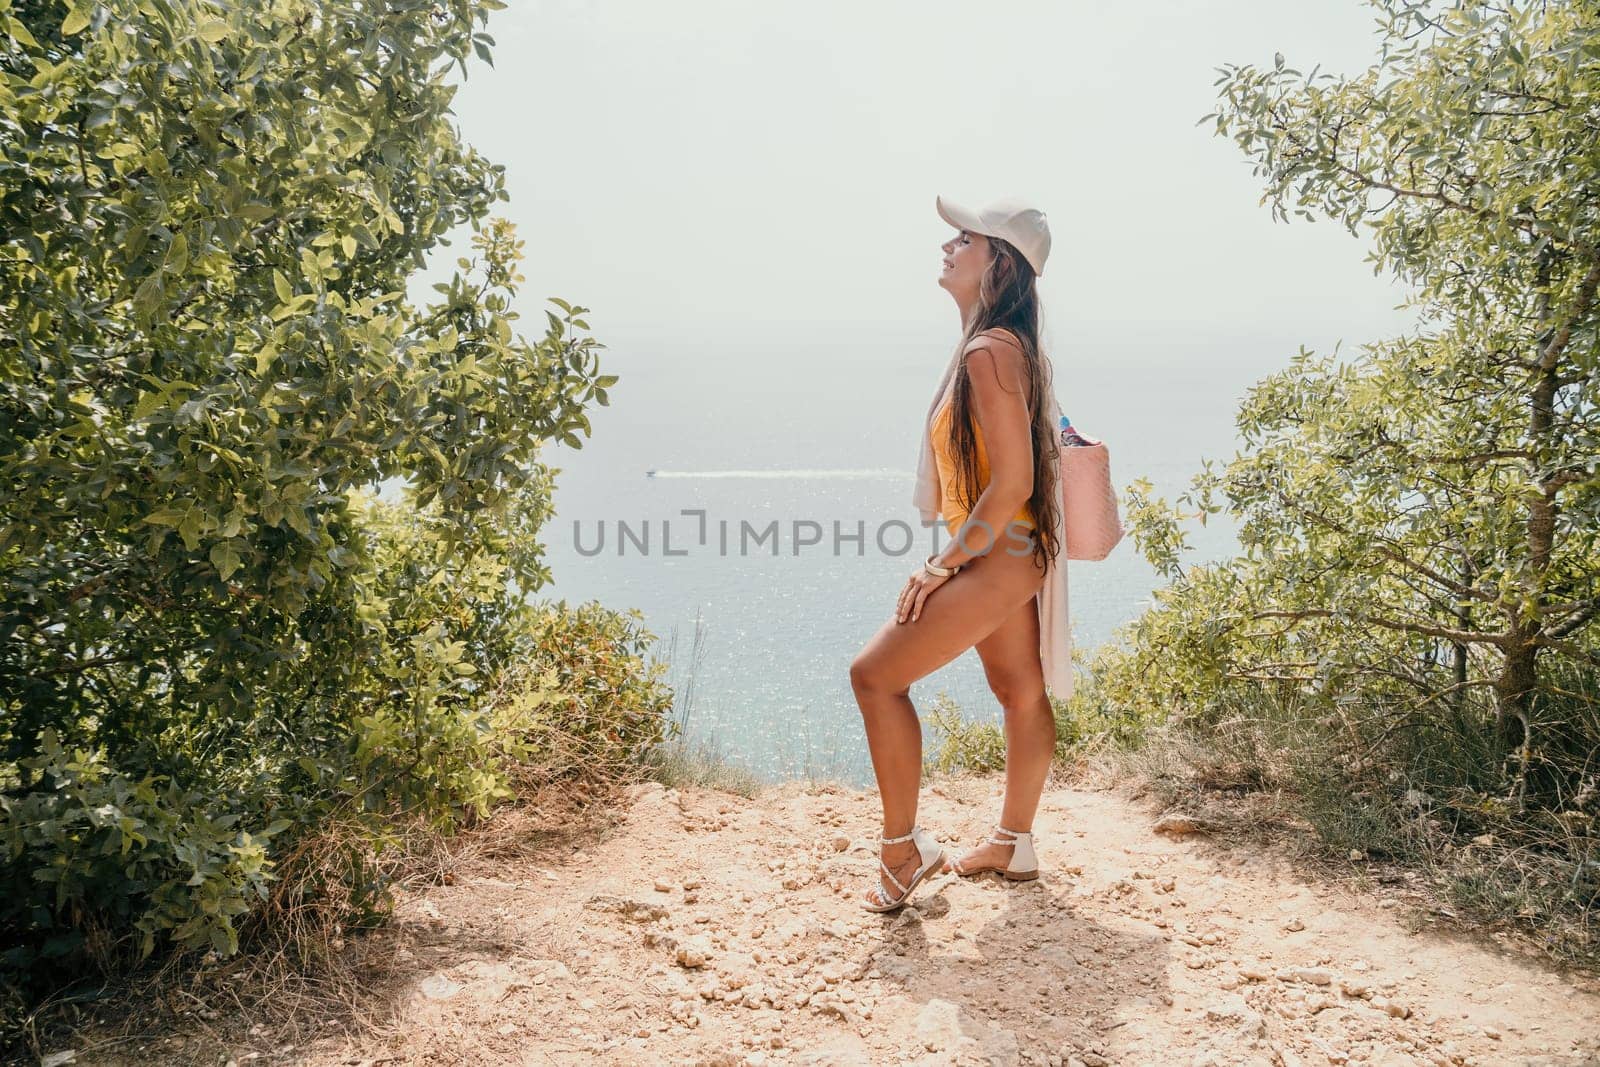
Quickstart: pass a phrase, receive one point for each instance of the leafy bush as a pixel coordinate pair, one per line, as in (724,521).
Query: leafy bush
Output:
(962,745)
(1417,522)
(96,850)
(220,656)
(1420,519)
(1419,570)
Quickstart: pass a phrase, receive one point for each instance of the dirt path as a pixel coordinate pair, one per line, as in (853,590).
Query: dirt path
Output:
(711,929)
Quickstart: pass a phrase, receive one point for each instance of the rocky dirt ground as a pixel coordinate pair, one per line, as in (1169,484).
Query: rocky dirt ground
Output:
(712,929)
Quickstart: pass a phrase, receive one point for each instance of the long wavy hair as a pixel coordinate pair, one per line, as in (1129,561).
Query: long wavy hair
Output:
(1008,297)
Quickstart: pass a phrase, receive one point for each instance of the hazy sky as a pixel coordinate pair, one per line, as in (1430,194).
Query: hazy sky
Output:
(743,194)
(694,171)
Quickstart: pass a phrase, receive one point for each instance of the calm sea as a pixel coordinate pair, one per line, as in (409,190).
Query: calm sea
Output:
(806,436)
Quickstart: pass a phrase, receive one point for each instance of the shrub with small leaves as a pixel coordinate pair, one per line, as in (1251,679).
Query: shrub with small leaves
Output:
(217,648)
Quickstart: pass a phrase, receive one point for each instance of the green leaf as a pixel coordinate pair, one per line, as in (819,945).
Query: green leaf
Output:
(225,559)
(148,296)
(20,34)
(76,21)
(177,254)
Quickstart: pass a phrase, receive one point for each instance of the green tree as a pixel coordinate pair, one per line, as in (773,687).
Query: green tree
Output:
(1421,518)
(208,214)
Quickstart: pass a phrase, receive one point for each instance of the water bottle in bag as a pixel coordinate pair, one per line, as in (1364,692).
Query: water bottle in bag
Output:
(1070,436)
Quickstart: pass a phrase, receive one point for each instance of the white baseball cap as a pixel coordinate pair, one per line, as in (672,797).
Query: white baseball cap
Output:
(1008,218)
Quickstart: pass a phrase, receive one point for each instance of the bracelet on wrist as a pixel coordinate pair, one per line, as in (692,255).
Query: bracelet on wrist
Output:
(940,572)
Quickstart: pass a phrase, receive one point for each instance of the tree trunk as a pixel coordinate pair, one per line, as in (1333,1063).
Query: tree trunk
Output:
(1519,675)
(1514,690)
(1459,658)
(1458,664)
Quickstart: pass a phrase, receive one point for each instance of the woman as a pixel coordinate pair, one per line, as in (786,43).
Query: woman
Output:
(989,466)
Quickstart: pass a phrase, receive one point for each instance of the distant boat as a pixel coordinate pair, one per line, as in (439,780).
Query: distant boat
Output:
(782,473)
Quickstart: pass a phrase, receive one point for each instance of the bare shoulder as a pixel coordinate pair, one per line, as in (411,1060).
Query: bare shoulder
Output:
(994,356)
(1002,334)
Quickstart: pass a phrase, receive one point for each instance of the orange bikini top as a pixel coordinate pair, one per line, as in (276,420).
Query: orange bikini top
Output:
(944,454)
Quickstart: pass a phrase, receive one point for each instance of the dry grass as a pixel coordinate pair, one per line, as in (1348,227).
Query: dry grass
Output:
(1278,778)
(681,762)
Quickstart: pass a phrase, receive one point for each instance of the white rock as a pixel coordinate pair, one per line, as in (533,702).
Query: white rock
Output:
(439,987)
(939,1026)
(1228,1010)
(1392,1006)
(1318,1002)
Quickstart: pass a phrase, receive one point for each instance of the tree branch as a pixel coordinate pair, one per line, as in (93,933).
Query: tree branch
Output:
(1466,637)
(1585,300)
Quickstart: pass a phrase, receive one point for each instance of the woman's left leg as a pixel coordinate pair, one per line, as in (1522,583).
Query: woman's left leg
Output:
(1011,664)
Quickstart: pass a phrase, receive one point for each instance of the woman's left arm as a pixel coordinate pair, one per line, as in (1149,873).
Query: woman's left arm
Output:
(999,390)
(1000,405)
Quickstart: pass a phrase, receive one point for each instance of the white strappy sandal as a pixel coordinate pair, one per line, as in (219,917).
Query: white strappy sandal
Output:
(928,851)
(1024,864)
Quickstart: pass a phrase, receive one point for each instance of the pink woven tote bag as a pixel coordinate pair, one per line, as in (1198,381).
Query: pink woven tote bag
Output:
(1088,501)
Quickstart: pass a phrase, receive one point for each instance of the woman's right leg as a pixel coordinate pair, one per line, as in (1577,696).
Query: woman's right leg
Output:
(956,616)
